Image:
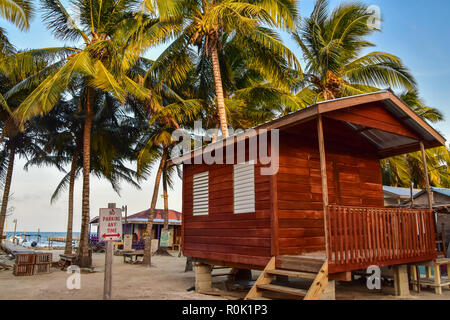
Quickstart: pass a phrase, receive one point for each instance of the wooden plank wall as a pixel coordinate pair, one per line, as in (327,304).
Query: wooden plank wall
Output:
(222,235)
(354,179)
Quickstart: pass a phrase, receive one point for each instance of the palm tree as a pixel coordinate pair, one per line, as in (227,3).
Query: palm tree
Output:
(62,144)
(406,169)
(156,146)
(16,142)
(109,50)
(61,140)
(252,96)
(205,25)
(332,46)
(18,12)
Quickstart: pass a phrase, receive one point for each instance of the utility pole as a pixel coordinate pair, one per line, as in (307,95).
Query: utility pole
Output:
(125,209)
(15,227)
(107,287)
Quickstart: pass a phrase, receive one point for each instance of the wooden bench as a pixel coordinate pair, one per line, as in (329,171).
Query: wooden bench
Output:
(67,260)
(129,255)
(430,280)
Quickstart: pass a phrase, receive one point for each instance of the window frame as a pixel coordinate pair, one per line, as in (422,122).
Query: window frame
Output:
(251,208)
(201,176)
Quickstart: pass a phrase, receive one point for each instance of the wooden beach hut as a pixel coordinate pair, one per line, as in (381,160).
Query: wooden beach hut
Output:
(322,214)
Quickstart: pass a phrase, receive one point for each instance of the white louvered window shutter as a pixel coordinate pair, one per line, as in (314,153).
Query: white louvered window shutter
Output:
(201,194)
(244,187)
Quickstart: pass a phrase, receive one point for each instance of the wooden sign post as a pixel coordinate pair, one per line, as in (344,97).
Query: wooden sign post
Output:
(110,227)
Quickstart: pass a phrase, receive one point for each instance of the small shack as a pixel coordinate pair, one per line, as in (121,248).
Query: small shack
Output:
(321,213)
(441,208)
(441,197)
(136,225)
(396,196)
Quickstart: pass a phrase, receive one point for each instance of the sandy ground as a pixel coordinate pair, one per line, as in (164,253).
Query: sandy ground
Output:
(166,280)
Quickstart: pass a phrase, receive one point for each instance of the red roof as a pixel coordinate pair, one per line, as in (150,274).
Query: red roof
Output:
(159,214)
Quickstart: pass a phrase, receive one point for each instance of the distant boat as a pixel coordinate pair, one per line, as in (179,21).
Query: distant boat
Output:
(18,240)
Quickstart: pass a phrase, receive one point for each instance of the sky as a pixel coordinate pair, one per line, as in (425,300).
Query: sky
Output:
(418,31)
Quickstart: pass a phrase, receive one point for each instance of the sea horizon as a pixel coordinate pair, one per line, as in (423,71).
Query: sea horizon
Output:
(44,235)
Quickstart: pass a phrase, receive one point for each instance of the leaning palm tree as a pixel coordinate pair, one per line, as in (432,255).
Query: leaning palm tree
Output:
(206,22)
(103,61)
(155,147)
(332,46)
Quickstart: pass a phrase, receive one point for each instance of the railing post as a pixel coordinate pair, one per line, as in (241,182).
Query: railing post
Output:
(427,179)
(429,193)
(323,174)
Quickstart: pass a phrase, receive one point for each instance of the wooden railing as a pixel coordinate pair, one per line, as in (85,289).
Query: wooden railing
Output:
(360,237)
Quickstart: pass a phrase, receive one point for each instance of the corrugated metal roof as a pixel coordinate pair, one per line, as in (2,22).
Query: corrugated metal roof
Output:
(381,139)
(443,191)
(400,191)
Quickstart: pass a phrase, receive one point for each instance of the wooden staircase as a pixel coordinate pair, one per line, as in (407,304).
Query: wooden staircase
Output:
(299,267)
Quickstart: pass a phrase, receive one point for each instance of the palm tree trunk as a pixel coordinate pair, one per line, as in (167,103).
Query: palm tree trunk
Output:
(6,190)
(166,201)
(147,260)
(84,258)
(163,250)
(68,248)
(219,92)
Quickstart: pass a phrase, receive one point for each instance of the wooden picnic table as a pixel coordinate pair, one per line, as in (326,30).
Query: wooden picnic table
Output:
(67,260)
(129,255)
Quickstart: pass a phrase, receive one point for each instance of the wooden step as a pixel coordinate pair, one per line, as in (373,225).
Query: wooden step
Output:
(300,263)
(293,274)
(259,298)
(282,289)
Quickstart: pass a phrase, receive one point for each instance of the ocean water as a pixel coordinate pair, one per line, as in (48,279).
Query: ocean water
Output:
(42,240)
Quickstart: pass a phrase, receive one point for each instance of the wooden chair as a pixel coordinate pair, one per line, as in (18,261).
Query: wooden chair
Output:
(177,245)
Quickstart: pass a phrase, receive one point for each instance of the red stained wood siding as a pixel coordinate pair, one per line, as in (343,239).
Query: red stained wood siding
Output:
(222,235)
(289,210)
(354,178)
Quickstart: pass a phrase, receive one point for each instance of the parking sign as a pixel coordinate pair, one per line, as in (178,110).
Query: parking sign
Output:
(110,224)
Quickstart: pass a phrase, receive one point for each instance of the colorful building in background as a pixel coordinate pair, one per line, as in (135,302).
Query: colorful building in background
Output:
(136,225)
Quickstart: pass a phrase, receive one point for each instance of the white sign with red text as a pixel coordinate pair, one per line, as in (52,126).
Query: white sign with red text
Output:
(110,224)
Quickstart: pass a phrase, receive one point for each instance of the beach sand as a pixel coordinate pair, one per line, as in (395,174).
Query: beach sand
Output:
(166,280)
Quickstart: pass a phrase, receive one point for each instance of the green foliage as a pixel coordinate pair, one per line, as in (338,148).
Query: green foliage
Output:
(332,45)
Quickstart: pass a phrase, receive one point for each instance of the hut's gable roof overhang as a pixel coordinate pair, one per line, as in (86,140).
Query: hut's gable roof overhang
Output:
(399,132)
